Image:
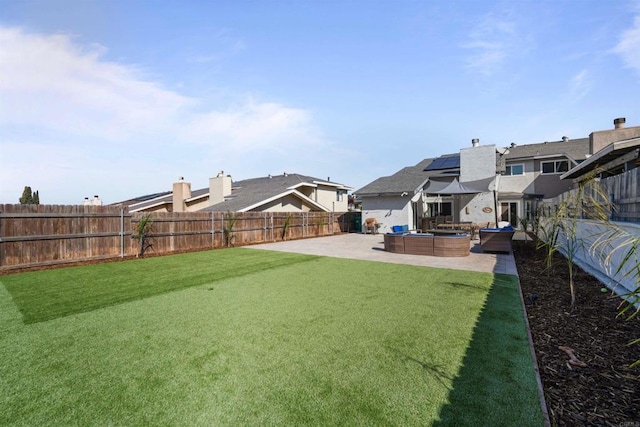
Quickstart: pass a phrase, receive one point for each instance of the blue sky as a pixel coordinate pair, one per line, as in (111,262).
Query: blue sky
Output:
(120,98)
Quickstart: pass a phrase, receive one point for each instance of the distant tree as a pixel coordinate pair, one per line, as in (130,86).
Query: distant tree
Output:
(36,198)
(27,197)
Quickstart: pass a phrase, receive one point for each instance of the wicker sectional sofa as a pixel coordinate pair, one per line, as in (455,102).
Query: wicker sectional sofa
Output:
(427,244)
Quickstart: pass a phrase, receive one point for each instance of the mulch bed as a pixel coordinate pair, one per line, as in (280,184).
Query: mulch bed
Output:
(606,392)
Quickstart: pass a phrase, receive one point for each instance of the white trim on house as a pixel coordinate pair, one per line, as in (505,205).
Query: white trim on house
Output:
(132,208)
(202,196)
(281,195)
(303,184)
(332,184)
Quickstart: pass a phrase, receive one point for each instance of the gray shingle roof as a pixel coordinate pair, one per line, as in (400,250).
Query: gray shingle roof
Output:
(250,192)
(409,179)
(577,149)
(142,199)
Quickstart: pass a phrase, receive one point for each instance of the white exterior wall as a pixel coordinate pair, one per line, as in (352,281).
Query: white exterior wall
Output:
(477,163)
(593,261)
(388,211)
(520,183)
(473,207)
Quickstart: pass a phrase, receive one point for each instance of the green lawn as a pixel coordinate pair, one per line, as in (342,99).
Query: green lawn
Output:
(250,337)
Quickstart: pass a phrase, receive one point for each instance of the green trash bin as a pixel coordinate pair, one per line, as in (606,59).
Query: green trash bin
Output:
(358,224)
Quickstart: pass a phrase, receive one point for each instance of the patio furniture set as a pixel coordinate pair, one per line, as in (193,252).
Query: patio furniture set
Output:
(446,243)
(456,245)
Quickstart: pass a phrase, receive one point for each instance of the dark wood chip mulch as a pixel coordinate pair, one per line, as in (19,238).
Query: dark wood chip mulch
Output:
(607,391)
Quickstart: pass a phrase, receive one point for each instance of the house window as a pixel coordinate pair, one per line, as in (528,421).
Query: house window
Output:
(514,170)
(339,196)
(438,208)
(557,166)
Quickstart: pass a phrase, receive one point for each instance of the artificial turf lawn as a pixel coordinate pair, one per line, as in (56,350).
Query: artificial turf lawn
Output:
(61,292)
(322,341)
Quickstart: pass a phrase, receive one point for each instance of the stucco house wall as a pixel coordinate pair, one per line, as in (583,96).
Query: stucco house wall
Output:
(327,196)
(478,208)
(388,211)
(520,183)
(285,204)
(477,163)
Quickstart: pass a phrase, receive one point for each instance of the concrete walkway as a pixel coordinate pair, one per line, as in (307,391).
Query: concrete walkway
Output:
(370,247)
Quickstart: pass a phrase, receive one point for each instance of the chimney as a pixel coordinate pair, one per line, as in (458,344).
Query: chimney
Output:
(565,139)
(619,122)
(219,188)
(181,192)
(475,142)
(96,201)
(87,202)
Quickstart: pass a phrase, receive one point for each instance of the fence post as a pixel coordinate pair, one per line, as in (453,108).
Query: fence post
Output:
(121,232)
(1,231)
(305,224)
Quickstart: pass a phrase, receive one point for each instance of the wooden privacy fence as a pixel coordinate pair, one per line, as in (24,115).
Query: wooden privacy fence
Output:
(622,192)
(41,235)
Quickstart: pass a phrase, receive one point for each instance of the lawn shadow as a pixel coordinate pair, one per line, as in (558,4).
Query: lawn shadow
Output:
(429,370)
(465,285)
(496,385)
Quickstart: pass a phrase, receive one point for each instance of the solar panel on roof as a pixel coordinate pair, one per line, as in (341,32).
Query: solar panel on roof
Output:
(444,163)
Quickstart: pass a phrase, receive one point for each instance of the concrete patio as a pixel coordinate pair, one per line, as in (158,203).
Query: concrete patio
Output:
(370,247)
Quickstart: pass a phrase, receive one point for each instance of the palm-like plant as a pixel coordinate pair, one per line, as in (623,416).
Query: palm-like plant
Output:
(230,219)
(618,249)
(143,230)
(561,232)
(285,226)
(615,246)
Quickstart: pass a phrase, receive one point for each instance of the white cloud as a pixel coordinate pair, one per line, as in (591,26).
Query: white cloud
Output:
(580,85)
(254,126)
(225,43)
(629,46)
(491,42)
(82,114)
(49,82)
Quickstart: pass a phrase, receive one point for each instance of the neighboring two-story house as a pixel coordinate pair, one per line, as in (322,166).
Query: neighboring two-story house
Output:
(529,173)
(501,184)
(279,193)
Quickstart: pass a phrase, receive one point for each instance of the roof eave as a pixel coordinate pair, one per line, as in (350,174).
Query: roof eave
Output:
(280,195)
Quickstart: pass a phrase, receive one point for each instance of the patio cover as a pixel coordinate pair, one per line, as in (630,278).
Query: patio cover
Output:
(455,187)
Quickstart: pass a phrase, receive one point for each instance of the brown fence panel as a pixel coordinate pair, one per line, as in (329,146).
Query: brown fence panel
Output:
(40,235)
(622,191)
(175,232)
(49,234)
